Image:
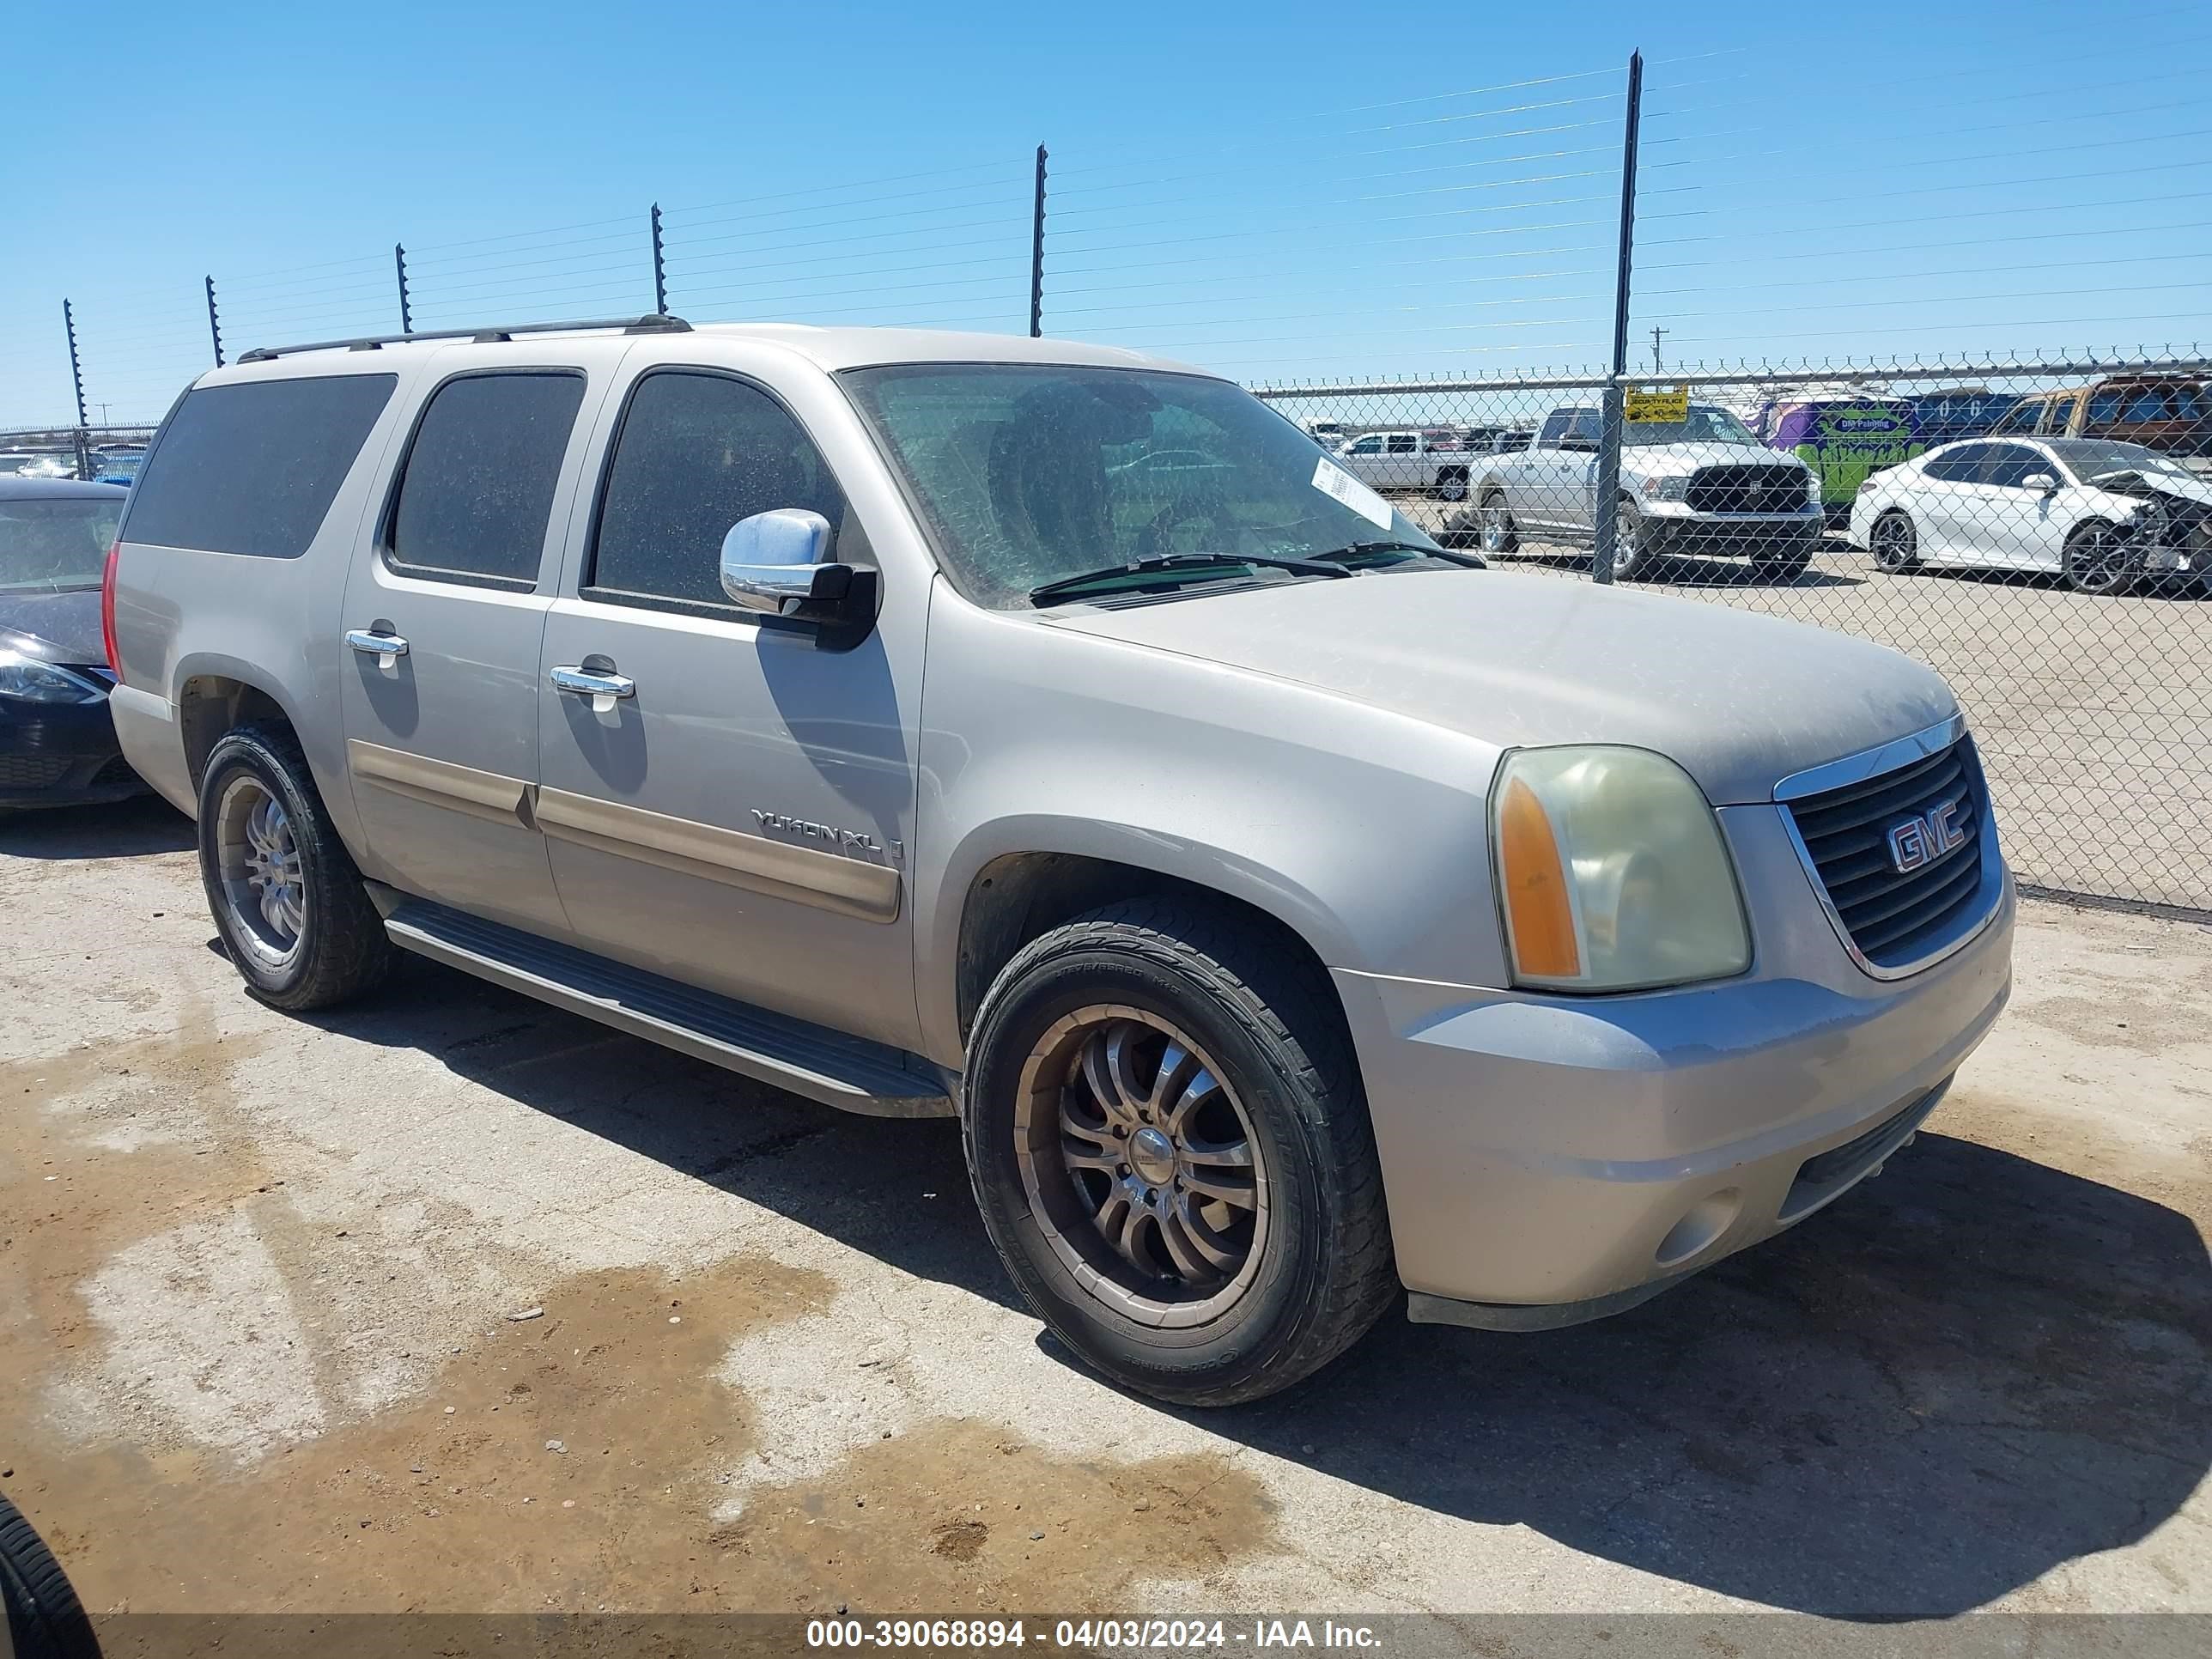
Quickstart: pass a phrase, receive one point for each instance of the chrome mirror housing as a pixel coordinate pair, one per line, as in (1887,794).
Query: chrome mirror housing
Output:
(780,557)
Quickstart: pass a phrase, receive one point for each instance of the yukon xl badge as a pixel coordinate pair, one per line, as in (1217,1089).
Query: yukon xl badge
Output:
(843,840)
(1924,837)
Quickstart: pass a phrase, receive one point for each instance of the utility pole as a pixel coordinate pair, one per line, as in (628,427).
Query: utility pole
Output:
(1605,507)
(1655,335)
(1036,254)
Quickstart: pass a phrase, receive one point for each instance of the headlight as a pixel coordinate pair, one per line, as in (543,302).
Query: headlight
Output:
(1675,489)
(29,680)
(1610,872)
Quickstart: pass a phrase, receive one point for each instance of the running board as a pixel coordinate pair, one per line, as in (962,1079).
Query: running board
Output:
(846,1071)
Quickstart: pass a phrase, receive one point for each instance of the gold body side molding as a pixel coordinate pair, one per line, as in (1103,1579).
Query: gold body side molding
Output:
(803,874)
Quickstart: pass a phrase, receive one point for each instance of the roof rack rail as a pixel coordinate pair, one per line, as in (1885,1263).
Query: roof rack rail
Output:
(653,322)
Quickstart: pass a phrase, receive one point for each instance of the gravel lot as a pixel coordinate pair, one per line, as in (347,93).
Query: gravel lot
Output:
(259,1346)
(2091,713)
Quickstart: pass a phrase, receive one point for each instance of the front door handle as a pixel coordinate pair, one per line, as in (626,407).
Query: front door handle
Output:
(601,688)
(387,648)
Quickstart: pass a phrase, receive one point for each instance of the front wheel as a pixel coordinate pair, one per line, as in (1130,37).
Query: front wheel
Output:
(44,1619)
(1638,544)
(1170,1147)
(2098,559)
(1496,532)
(1895,543)
(284,892)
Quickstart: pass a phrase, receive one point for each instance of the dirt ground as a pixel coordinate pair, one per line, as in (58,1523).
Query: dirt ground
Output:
(453,1301)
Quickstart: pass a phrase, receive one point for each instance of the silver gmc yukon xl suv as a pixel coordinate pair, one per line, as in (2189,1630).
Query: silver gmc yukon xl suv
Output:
(1288,909)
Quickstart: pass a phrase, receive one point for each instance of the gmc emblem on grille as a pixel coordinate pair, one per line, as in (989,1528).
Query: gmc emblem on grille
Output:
(1924,837)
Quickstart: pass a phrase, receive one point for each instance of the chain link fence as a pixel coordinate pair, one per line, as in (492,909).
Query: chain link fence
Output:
(2039,532)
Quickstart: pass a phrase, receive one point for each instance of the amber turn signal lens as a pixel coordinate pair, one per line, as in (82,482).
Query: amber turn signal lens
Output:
(1539,913)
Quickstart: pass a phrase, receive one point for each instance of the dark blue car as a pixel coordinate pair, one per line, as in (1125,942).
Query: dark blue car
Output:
(57,738)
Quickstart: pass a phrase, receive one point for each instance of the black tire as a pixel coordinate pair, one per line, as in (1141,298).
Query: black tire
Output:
(340,949)
(1271,1026)
(45,1620)
(1894,540)
(1645,544)
(2098,560)
(1451,484)
(1495,530)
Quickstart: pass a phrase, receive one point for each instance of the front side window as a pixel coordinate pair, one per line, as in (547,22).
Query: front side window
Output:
(1030,474)
(2020,418)
(56,544)
(1368,447)
(477,489)
(2009,466)
(252,467)
(697,451)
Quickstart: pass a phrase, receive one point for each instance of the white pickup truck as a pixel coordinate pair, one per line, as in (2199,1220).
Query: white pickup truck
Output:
(1700,485)
(1436,461)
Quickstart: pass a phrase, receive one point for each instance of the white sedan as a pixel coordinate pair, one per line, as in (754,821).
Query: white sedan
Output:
(2105,515)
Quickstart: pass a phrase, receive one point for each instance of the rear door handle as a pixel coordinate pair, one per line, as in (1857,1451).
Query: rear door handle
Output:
(601,688)
(387,648)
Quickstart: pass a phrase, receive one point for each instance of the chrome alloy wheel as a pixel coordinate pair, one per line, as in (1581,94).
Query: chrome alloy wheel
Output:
(259,864)
(1141,1167)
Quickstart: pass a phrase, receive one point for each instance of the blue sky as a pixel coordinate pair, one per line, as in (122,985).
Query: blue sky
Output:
(1282,190)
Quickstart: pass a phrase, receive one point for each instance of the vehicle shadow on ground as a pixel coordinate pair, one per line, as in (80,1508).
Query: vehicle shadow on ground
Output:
(1957,1378)
(131,828)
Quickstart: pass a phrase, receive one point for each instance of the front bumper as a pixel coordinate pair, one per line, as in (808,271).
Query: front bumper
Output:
(1554,1159)
(61,755)
(1687,531)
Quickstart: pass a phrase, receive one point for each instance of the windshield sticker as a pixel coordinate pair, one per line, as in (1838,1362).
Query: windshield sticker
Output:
(1336,482)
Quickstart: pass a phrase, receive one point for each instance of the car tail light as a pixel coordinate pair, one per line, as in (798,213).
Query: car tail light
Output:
(107,613)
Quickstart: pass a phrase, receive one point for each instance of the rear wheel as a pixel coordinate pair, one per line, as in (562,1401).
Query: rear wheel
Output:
(1451,484)
(2098,559)
(1170,1147)
(284,892)
(1895,542)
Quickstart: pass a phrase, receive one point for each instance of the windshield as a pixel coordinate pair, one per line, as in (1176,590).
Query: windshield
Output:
(1030,474)
(56,544)
(2089,460)
(1706,425)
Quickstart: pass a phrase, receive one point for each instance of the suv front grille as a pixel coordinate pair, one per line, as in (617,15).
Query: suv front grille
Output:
(1752,488)
(1896,918)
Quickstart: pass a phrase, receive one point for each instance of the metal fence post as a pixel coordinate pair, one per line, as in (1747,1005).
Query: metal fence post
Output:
(214,325)
(1036,254)
(1605,512)
(659,268)
(406,312)
(77,379)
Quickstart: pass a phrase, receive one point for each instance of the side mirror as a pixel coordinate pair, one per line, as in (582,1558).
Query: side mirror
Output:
(2042,481)
(778,561)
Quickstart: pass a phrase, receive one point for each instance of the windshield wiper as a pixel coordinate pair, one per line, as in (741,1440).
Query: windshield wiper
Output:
(1358,550)
(1068,587)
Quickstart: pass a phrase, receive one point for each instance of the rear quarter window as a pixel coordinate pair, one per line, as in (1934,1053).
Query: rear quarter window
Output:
(252,468)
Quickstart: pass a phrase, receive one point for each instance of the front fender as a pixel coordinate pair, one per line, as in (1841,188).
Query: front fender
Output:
(1363,831)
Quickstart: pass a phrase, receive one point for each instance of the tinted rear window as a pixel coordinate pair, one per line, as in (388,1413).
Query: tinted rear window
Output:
(252,468)
(478,487)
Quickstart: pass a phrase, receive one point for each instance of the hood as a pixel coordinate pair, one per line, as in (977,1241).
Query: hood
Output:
(1739,700)
(62,628)
(1666,460)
